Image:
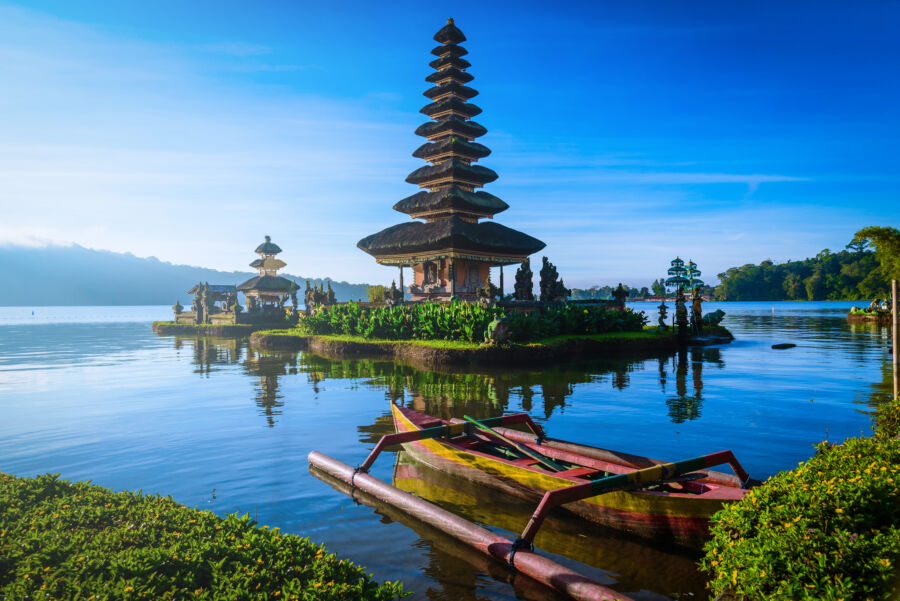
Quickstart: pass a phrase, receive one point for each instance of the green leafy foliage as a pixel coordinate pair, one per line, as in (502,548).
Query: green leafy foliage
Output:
(851,274)
(465,321)
(375,293)
(60,540)
(825,531)
(886,241)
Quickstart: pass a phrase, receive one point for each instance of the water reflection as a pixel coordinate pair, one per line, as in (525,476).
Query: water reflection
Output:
(268,367)
(685,406)
(491,392)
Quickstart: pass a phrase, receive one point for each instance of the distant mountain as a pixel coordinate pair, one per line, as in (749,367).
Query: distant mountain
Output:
(74,275)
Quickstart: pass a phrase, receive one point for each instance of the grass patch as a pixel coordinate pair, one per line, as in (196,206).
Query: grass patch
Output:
(826,530)
(451,344)
(62,540)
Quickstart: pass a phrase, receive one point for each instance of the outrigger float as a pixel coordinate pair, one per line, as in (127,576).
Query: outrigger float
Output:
(670,501)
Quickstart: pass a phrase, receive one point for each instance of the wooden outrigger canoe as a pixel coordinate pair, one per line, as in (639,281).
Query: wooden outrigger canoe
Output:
(646,497)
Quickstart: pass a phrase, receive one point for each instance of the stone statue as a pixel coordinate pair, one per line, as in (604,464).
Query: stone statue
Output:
(553,290)
(663,313)
(697,309)
(713,319)
(294,289)
(681,316)
(620,294)
(497,331)
(195,304)
(394,295)
(177,308)
(524,286)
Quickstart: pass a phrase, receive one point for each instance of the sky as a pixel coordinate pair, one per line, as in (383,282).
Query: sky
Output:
(623,133)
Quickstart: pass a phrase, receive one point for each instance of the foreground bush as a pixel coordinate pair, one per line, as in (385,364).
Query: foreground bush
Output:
(825,531)
(60,540)
(465,321)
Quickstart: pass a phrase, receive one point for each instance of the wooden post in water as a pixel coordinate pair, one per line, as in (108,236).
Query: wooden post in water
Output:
(895,321)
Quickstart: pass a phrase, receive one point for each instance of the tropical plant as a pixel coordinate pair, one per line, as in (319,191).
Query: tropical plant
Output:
(465,321)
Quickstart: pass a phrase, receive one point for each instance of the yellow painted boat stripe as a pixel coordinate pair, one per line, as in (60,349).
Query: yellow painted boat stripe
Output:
(646,503)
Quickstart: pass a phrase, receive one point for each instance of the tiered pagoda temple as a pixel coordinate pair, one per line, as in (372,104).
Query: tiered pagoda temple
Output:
(450,250)
(268,291)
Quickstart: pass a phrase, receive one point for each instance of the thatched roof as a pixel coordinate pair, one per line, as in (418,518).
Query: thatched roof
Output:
(214,289)
(267,283)
(453,61)
(268,247)
(449,34)
(451,124)
(447,104)
(455,169)
(451,198)
(457,89)
(450,233)
(452,74)
(458,146)
(449,50)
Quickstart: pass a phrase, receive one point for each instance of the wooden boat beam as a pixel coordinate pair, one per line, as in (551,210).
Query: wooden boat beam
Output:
(446,431)
(643,478)
(569,451)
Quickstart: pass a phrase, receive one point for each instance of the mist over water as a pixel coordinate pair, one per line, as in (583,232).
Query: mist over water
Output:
(92,393)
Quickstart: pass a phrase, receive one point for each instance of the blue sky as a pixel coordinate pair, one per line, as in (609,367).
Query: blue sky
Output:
(624,133)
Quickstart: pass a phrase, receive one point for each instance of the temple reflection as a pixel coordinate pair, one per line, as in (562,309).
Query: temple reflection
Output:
(686,405)
(268,367)
(210,353)
(452,394)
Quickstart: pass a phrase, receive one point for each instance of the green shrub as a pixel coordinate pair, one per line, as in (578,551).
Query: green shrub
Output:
(60,540)
(465,321)
(887,420)
(825,531)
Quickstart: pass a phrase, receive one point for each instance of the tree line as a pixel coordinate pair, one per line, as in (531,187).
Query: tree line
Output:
(863,270)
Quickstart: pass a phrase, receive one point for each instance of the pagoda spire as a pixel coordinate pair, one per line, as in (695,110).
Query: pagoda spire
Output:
(451,179)
(452,251)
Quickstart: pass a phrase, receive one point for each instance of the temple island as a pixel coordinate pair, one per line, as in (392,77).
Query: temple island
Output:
(448,247)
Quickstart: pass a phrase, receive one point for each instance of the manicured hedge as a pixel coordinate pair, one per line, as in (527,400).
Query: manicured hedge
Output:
(80,542)
(465,321)
(825,531)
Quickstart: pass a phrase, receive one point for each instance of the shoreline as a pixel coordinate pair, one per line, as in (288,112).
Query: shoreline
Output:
(648,343)
(169,328)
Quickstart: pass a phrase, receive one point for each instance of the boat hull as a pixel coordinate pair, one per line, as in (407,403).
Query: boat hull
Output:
(681,518)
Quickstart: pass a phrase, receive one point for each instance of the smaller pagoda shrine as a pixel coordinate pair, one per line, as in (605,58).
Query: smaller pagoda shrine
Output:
(268,291)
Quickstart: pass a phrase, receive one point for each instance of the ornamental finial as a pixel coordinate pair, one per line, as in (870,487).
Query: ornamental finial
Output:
(450,21)
(268,239)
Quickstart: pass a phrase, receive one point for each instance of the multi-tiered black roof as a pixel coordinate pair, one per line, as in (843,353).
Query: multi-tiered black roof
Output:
(450,202)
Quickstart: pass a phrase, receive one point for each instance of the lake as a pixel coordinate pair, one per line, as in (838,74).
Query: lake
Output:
(92,393)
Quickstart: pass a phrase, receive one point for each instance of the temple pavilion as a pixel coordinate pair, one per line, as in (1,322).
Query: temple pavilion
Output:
(268,291)
(450,250)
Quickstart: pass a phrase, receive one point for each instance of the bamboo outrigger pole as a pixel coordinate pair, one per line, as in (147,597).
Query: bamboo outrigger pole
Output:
(537,567)
(895,323)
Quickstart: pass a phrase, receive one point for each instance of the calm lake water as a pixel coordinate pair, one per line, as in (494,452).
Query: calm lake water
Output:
(92,393)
